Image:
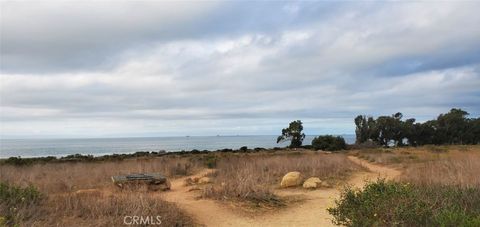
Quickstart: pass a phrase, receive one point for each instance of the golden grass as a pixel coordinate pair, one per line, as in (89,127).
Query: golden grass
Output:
(458,168)
(440,165)
(66,177)
(408,155)
(62,206)
(74,209)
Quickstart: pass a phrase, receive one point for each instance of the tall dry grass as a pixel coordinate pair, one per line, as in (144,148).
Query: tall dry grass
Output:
(62,206)
(404,156)
(73,209)
(253,177)
(66,177)
(459,168)
(454,165)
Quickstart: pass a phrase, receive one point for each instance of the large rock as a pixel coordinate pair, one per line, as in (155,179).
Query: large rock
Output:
(312,182)
(291,179)
(153,181)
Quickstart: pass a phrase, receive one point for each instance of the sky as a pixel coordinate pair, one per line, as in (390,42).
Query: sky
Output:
(158,68)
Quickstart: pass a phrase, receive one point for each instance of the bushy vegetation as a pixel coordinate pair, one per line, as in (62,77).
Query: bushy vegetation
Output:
(19,161)
(451,128)
(13,200)
(329,143)
(293,133)
(386,203)
(210,161)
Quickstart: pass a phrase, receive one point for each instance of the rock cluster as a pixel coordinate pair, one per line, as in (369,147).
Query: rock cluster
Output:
(293,179)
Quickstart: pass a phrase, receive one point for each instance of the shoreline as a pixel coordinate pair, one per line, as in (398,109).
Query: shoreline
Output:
(18,160)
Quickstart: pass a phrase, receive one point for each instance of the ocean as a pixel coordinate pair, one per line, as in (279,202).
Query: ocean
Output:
(103,146)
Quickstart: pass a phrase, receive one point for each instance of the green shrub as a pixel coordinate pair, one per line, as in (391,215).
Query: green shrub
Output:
(13,199)
(210,161)
(329,143)
(12,195)
(385,203)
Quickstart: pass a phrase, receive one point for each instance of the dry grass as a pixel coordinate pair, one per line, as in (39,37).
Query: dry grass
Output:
(62,206)
(439,186)
(74,209)
(408,155)
(253,177)
(460,169)
(457,165)
(66,177)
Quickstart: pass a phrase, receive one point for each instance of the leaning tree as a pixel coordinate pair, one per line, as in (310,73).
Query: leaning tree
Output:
(293,133)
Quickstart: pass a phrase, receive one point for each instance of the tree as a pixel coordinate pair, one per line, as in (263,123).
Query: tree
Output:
(398,129)
(329,143)
(452,127)
(408,131)
(366,129)
(293,133)
(361,131)
(473,134)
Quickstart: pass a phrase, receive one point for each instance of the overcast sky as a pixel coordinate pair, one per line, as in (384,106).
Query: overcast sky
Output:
(106,69)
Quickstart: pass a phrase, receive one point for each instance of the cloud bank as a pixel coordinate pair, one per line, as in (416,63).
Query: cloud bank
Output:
(71,69)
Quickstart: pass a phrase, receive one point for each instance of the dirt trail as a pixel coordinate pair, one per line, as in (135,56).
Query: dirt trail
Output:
(311,212)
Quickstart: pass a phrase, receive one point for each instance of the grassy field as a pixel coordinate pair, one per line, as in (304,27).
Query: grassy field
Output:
(445,165)
(439,185)
(66,197)
(81,193)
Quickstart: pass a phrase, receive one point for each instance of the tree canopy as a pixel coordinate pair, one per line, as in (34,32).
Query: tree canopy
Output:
(293,133)
(451,128)
(329,143)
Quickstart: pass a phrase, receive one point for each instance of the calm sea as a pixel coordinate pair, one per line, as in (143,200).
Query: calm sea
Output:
(96,147)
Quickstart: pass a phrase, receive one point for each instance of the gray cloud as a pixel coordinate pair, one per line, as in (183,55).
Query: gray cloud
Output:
(85,69)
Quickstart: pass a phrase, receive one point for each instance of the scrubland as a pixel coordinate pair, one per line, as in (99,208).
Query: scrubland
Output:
(81,194)
(439,186)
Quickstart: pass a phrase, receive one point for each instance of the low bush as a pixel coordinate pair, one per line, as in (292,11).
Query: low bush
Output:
(365,145)
(329,143)
(14,200)
(210,161)
(12,195)
(385,203)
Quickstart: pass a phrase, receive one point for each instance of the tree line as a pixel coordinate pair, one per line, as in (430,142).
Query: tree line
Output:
(453,127)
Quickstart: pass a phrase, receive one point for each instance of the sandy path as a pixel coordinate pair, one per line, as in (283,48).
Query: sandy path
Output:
(206,212)
(311,212)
